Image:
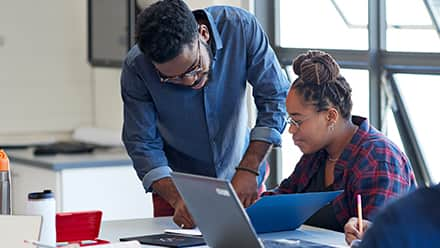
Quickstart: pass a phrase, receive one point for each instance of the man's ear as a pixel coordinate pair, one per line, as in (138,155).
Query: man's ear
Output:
(204,33)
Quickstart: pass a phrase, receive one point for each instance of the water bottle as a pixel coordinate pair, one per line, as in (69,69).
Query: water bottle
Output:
(5,184)
(43,204)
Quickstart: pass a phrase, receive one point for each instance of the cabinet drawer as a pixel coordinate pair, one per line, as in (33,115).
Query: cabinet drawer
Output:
(115,190)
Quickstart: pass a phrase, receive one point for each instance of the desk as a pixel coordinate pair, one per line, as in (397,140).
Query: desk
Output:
(113,230)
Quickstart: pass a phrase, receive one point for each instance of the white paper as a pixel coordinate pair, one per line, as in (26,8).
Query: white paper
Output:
(191,232)
(128,244)
(15,229)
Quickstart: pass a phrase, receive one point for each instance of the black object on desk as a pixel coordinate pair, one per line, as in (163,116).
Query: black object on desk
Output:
(64,147)
(168,240)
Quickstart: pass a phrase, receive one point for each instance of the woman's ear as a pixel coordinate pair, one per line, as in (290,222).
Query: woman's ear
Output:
(332,115)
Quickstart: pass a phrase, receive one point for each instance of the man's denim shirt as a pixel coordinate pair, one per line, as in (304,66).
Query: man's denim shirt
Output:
(169,127)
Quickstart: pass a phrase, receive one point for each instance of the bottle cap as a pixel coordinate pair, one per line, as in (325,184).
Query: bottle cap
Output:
(46,194)
(4,161)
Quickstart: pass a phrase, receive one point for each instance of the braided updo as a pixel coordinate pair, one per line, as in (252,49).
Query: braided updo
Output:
(320,83)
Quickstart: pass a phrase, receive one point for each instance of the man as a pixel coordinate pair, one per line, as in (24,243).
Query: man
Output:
(184,91)
(411,221)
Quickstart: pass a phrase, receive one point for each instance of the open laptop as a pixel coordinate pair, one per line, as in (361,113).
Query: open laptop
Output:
(14,229)
(220,216)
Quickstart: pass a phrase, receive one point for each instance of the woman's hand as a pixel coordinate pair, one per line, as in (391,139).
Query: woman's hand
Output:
(351,229)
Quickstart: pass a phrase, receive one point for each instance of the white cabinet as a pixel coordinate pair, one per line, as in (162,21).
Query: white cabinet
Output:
(116,190)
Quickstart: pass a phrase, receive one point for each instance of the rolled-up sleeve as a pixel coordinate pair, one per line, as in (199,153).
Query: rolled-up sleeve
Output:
(139,134)
(270,85)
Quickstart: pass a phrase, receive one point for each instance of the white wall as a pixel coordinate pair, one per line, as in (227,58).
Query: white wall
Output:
(46,83)
(108,102)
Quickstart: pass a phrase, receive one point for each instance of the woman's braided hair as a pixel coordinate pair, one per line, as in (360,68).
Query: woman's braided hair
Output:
(320,83)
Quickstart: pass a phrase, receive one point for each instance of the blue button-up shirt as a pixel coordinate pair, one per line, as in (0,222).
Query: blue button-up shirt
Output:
(170,127)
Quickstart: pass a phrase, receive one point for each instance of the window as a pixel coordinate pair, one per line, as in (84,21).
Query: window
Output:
(340,24)
(410,27)
(407,47)
(391,130)
(420,96)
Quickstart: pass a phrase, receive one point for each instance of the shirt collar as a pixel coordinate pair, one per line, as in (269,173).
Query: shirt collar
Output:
(215,35)
(358,137)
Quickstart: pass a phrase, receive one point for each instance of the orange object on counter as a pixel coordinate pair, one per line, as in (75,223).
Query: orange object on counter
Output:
(4,161)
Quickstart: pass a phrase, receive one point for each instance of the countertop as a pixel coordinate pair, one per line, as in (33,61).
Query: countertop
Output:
(98,158)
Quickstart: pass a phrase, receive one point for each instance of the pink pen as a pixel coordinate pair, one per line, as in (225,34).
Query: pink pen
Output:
(359,208)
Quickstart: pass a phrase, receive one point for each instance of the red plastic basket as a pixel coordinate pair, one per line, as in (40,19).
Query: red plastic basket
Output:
(78,227)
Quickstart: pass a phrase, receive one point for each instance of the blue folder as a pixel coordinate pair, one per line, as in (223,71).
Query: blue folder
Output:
(284,212)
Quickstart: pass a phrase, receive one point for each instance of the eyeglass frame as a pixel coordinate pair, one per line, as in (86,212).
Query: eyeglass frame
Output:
(189,74)
(297,124)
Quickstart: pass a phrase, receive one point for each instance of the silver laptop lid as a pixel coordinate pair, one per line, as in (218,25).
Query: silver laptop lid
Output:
(216,210)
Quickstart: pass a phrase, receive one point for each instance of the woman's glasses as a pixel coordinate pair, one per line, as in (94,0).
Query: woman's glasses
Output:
(297,124)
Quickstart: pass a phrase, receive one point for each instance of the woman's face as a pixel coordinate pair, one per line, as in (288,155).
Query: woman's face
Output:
(308,127)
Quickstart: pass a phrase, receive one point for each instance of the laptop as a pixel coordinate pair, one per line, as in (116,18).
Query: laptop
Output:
(16,228)
(220,216)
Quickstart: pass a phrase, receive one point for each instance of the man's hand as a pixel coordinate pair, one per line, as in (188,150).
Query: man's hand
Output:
(351,229)
(245,185)
(181,216)
(167,190)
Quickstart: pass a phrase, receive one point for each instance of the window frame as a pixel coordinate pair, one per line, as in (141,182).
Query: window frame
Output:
(380,63)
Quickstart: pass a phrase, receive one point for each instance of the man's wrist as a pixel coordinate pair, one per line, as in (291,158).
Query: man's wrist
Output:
(167,190)
(253,157)
(247,169)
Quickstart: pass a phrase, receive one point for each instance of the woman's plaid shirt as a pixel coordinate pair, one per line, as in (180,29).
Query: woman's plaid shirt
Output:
(370,165)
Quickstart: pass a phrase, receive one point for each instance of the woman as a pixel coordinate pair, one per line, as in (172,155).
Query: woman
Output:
(340,151)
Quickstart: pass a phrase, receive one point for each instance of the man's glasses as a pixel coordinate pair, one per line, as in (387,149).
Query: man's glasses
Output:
(187,76)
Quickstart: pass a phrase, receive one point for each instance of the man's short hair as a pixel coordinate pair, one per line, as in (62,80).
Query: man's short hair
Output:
(164,28)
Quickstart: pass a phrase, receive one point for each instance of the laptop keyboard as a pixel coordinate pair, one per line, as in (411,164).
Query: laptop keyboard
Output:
(281,243)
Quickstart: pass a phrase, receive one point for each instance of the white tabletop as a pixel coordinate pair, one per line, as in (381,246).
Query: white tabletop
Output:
(113,230)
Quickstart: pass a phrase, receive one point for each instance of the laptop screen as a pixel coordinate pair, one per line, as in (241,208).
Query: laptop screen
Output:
(217,211)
